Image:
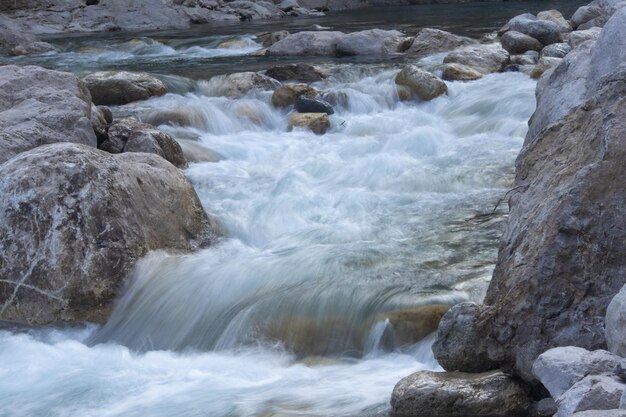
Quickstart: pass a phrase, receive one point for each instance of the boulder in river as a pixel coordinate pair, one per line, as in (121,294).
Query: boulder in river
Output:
(586,14)
(421,83)
(237,84)
(451,394)
(130,135)
(544,64)
(580,36)
(287,94)
(518,43)
(317,123)
(410,325)
(304,104)
(556,50)
(18,40)
(556,17)
(615,323)
(270,39)
(459,72)
(545,31)
(482,58)
(430,41)
(307,43)
(77,221)
(369,42)
(181,116)
(109,87)
(303,73)
(40,106)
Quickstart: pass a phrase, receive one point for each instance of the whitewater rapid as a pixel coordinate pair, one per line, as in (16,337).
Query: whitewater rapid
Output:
(321,232)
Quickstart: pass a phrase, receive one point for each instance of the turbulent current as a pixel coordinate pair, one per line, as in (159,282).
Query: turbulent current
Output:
(328,240)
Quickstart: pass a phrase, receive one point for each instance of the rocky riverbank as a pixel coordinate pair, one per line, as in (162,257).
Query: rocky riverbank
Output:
(561,260)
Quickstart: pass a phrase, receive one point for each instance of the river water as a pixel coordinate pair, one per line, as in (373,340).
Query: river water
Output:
(326,237)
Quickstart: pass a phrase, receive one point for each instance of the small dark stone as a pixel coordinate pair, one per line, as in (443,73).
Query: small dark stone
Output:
(310,105)
(620,370)
(546,407)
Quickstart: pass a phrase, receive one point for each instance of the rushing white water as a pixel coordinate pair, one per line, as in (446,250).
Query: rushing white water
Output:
(325,237)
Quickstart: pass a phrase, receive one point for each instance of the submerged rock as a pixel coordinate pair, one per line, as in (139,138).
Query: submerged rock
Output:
(456,394)
(430,41)
(77,221)
(317,123)
(183,116)
(39,107)
(410,325)
(304,104)
(287,94)
(195,152)
(615,324)
(295,72)
(421,83)
(108,87)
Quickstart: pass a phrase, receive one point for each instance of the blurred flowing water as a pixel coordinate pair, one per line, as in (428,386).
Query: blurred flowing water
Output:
(327,238)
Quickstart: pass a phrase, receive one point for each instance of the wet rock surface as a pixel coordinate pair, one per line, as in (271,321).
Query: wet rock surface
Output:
(123,87)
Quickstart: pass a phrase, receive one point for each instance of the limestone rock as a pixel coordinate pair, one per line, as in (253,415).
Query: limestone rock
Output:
(303,73)
(560,368)
(447,394)
(459,72)
(482,58)
(422,84)
(130,135)
(287,94)
(40,106)
(594,392)
(317,123)
(77,221)
(369,42)
(518,43)
(615,323)
(307,43)
(108,87)
(430,41)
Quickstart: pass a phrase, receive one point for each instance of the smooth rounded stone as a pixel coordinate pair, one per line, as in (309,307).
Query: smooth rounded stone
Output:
(40,106)
(544,31)
(584,14)
(556,50)
(287,94)
(524,59)
(77,221)
(518,43)
(369,42)
(109,87)
(237,84)
(183,116)
(594,392)
(545,64)
(482,58)
(317,123)
(305,104)
(459,72)
(430,41)
(546,407)
(195,152)
(321,43)
(410,325)
(130,135)
(601,413)
(456,394)
(580,36)
(560,368)
(556,17)
(270,39)
(458,346)
(421,83)
(615,323)
(295,72)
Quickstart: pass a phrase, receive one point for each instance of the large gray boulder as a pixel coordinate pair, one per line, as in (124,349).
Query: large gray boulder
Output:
(237,84)
(303,73)
(430,41)
(615,324)
(109,87)
(556,17)
(518,43)
(482,58)
(307,43)
(561,259)
(77,221)
(40,106)
(594,392)
(421,84)
(545,31)
(560,368)
(456,394)
(369,42)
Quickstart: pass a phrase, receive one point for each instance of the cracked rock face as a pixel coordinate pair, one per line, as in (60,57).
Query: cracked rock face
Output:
(74,222)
